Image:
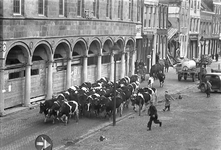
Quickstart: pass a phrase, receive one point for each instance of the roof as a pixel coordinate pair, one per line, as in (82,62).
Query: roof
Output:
(172,32)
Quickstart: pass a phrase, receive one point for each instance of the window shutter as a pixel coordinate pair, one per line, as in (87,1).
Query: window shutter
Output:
(82,7)
(23,7)
(65,8)
(46,8)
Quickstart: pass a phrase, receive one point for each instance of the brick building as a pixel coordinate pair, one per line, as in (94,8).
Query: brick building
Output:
(48,46)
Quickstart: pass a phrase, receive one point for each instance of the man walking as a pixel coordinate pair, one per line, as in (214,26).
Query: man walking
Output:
(152,112)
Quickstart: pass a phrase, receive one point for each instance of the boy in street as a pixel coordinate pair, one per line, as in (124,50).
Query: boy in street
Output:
(208,88)
(168,97)
(152,112)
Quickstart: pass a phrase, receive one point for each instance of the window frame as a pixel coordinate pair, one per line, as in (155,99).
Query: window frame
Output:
(14,2)
(43,8)
(63,8)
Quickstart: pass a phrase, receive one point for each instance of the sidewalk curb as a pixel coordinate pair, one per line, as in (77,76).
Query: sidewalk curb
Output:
(92,132)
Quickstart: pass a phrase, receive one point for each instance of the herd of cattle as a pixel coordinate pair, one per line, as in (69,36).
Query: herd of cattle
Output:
(95,98)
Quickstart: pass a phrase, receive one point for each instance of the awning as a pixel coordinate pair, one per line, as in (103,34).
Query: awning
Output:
(171,32)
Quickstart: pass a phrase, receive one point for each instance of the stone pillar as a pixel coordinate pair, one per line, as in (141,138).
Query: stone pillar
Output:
(2,91)
(112,67)
(84,69)
(122,74)
(27,85)
(154,50)
(49,85)
(132,62)
(68,74)
(99,58)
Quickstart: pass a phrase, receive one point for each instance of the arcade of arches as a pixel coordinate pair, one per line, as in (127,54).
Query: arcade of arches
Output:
(29,75)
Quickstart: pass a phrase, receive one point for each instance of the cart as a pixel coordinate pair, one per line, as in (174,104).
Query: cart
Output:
(185,72)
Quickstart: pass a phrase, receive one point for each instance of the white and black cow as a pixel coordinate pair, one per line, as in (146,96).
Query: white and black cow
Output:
(45,106)
(67,109)
(140,99)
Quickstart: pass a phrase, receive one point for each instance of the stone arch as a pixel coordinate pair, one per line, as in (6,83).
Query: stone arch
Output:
(22,54)
(130,43)
(48,50)
(61,45)
(80,45)
(120,42)
(95,46)
(106,47)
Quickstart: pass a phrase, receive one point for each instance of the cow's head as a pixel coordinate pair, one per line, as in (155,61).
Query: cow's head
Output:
(42,107)
(133,99)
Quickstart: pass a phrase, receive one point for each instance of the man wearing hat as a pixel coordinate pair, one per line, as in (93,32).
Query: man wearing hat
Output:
(152,112)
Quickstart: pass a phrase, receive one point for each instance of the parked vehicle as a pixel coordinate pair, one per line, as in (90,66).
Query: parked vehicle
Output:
(214,79)
(216,71)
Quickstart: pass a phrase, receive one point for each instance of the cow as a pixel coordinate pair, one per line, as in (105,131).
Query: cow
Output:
(134,78)
(67,109)
(107,105)
(45,106)
(92,104)
(53,111)
(150,81)
(161,77)
(140,99)
(152,91)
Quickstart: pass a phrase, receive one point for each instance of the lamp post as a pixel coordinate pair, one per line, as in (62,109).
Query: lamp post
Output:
(201,58)
(115,51)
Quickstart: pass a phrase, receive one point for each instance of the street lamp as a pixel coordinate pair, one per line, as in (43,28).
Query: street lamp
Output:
(201,58)
(115,51)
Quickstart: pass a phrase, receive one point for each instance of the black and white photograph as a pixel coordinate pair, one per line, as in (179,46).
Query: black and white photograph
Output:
(110,74)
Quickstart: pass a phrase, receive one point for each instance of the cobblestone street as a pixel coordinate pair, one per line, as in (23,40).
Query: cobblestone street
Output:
(193,123)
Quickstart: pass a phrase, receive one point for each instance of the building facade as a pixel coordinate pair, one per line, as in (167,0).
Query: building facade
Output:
(207,17)
(149,32)
(48,46)
(216,24)
(194,29)
(154,32)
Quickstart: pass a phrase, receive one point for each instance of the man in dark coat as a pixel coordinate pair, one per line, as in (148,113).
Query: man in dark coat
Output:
(152,112)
